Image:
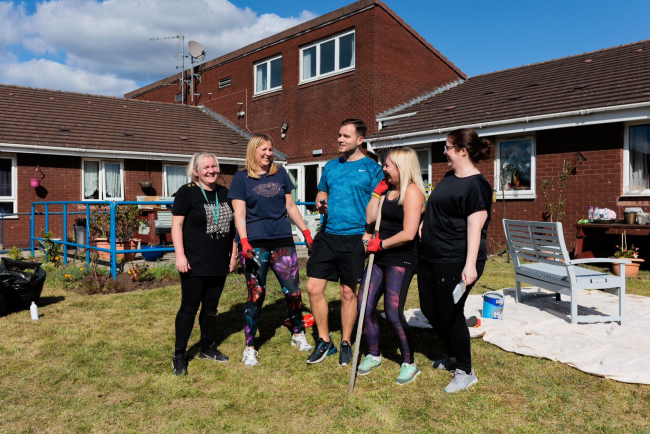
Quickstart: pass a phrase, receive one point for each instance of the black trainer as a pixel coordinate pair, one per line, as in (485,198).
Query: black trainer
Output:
(322,350)
(345,357)
(213,353)
(179,364)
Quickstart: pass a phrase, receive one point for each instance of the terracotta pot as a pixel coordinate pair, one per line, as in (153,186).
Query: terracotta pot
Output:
(631,270)
(119,245)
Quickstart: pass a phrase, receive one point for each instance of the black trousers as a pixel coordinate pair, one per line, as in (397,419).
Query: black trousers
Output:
(195,291)
(436,283)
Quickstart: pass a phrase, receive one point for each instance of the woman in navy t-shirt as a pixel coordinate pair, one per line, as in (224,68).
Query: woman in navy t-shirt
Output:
(261,198)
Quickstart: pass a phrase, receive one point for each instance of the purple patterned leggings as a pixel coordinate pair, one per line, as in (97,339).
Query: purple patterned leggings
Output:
(393,283)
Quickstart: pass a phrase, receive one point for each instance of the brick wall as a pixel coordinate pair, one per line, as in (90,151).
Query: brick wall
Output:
(314,110)
(62,182)
(597,182)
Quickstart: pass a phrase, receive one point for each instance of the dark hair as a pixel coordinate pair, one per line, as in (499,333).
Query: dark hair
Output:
(359,126)
(478,148)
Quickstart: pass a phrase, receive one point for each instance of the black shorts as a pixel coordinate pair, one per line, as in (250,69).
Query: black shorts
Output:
(337,258)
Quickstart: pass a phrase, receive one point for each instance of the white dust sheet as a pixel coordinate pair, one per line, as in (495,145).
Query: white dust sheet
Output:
(540,327)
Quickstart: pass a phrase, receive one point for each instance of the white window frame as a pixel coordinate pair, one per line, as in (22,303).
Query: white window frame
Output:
(516,194)
(165,192)
(102,193)
(268,74)
(14,185)
(429,157)
(626,162)
(336,71)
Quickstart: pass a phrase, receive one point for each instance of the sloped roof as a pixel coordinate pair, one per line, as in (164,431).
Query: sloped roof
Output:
(606,78)
(41,117)
(295,31)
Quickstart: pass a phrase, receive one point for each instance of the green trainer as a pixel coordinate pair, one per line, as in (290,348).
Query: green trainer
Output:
(407,374)
(369,363)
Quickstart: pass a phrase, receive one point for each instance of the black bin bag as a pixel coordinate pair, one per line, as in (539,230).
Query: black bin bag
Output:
(20,284)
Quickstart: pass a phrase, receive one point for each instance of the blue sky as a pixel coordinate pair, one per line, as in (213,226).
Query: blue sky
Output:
(104,48)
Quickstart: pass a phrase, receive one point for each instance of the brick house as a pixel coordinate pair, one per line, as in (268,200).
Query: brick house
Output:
(92,147)
(593,106)
(354,62)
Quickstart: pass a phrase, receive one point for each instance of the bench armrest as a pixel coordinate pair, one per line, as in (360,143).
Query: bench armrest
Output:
(598,260)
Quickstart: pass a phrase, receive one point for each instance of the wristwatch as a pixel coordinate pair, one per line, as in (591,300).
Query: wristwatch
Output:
(365,242)
(381,245)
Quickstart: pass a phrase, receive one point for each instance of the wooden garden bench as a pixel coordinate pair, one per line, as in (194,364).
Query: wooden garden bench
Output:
(540,257)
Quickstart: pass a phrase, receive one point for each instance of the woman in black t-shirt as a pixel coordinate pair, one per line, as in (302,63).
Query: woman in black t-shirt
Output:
(453,249)
(203,236)
(396,257)
(262,200)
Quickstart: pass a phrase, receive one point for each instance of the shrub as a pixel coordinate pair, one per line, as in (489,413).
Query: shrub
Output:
(15,253)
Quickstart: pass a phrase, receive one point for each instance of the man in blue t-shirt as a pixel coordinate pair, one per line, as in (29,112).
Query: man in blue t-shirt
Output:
(338,253)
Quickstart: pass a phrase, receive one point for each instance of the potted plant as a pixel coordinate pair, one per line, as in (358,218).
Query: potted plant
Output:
(127,222)
(622,252)
(152,256)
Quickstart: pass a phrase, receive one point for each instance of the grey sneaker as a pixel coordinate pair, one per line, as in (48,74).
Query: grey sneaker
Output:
(179,364)
(300,341)
(461,381)
(444,364)
(250,357)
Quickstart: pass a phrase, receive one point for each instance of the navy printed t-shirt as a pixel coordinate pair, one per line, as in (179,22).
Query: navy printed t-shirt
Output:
(349,185)
(266,209)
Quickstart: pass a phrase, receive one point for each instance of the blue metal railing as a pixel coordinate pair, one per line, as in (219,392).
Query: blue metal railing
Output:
(113,252)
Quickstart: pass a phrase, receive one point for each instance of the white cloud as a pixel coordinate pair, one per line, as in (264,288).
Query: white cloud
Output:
(113,36)
(52,75)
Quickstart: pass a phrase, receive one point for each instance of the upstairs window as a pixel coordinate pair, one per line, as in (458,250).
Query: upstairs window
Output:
(268,75)
(637,159)
(102,180)
(514,171)
(328,57)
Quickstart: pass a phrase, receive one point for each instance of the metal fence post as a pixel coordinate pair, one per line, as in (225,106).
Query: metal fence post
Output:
(31,232)
(113,255)
(87,240)
(65,236)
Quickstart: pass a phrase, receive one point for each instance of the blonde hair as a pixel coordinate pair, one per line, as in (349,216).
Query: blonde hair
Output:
(406,161)
(195,164)
(251,166)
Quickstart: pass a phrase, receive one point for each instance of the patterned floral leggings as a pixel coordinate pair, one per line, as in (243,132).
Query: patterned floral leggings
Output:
(284,263)
(393,283)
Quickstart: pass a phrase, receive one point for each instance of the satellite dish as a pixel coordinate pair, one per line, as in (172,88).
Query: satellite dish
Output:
(196,50)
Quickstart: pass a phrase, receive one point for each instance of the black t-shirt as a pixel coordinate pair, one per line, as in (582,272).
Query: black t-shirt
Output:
(266,207)
(444,233)
(207,245)
(392,222)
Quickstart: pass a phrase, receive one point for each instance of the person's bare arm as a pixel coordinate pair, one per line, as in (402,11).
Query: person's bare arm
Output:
(239,206)
(294,213)
(182,265)
(475,224)
(413,203)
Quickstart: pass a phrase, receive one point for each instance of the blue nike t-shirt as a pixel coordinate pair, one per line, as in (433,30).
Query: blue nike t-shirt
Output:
(349,185)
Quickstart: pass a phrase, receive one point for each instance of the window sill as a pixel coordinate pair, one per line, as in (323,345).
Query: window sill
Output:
(328,75)
(644,195)
(518,196)
(267,92)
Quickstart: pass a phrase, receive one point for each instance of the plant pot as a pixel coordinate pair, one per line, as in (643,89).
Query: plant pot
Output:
(152,256)
(146,184)
(631,270)
(119,245)
(102,243)
(35,182)
(630,218)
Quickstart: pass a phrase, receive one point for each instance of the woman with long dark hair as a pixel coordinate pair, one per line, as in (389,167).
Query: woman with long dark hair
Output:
(454,249)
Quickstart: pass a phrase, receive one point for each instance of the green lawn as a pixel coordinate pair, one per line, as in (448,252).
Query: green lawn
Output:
(102,363)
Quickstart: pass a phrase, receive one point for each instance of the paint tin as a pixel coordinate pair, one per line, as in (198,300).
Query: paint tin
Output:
(493,305)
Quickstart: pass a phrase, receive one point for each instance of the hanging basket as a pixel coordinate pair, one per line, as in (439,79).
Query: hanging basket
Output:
(146,184)
(35,182)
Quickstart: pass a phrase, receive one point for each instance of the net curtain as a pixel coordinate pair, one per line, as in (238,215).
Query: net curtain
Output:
(176,177)
(112,178)
(639,156)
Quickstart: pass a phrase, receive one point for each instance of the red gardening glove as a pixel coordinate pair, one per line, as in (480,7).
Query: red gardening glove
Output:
(308,239)
(382,187)
(374,245)
(246,250)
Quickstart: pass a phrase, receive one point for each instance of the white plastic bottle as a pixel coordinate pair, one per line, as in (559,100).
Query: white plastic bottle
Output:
(34,310)
(591,214)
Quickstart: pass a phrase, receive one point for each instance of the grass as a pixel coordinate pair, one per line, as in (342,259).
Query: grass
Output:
(102,363)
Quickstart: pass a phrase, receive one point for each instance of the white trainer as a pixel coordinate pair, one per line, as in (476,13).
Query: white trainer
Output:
(250,357)
(461,381)
(300,341)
